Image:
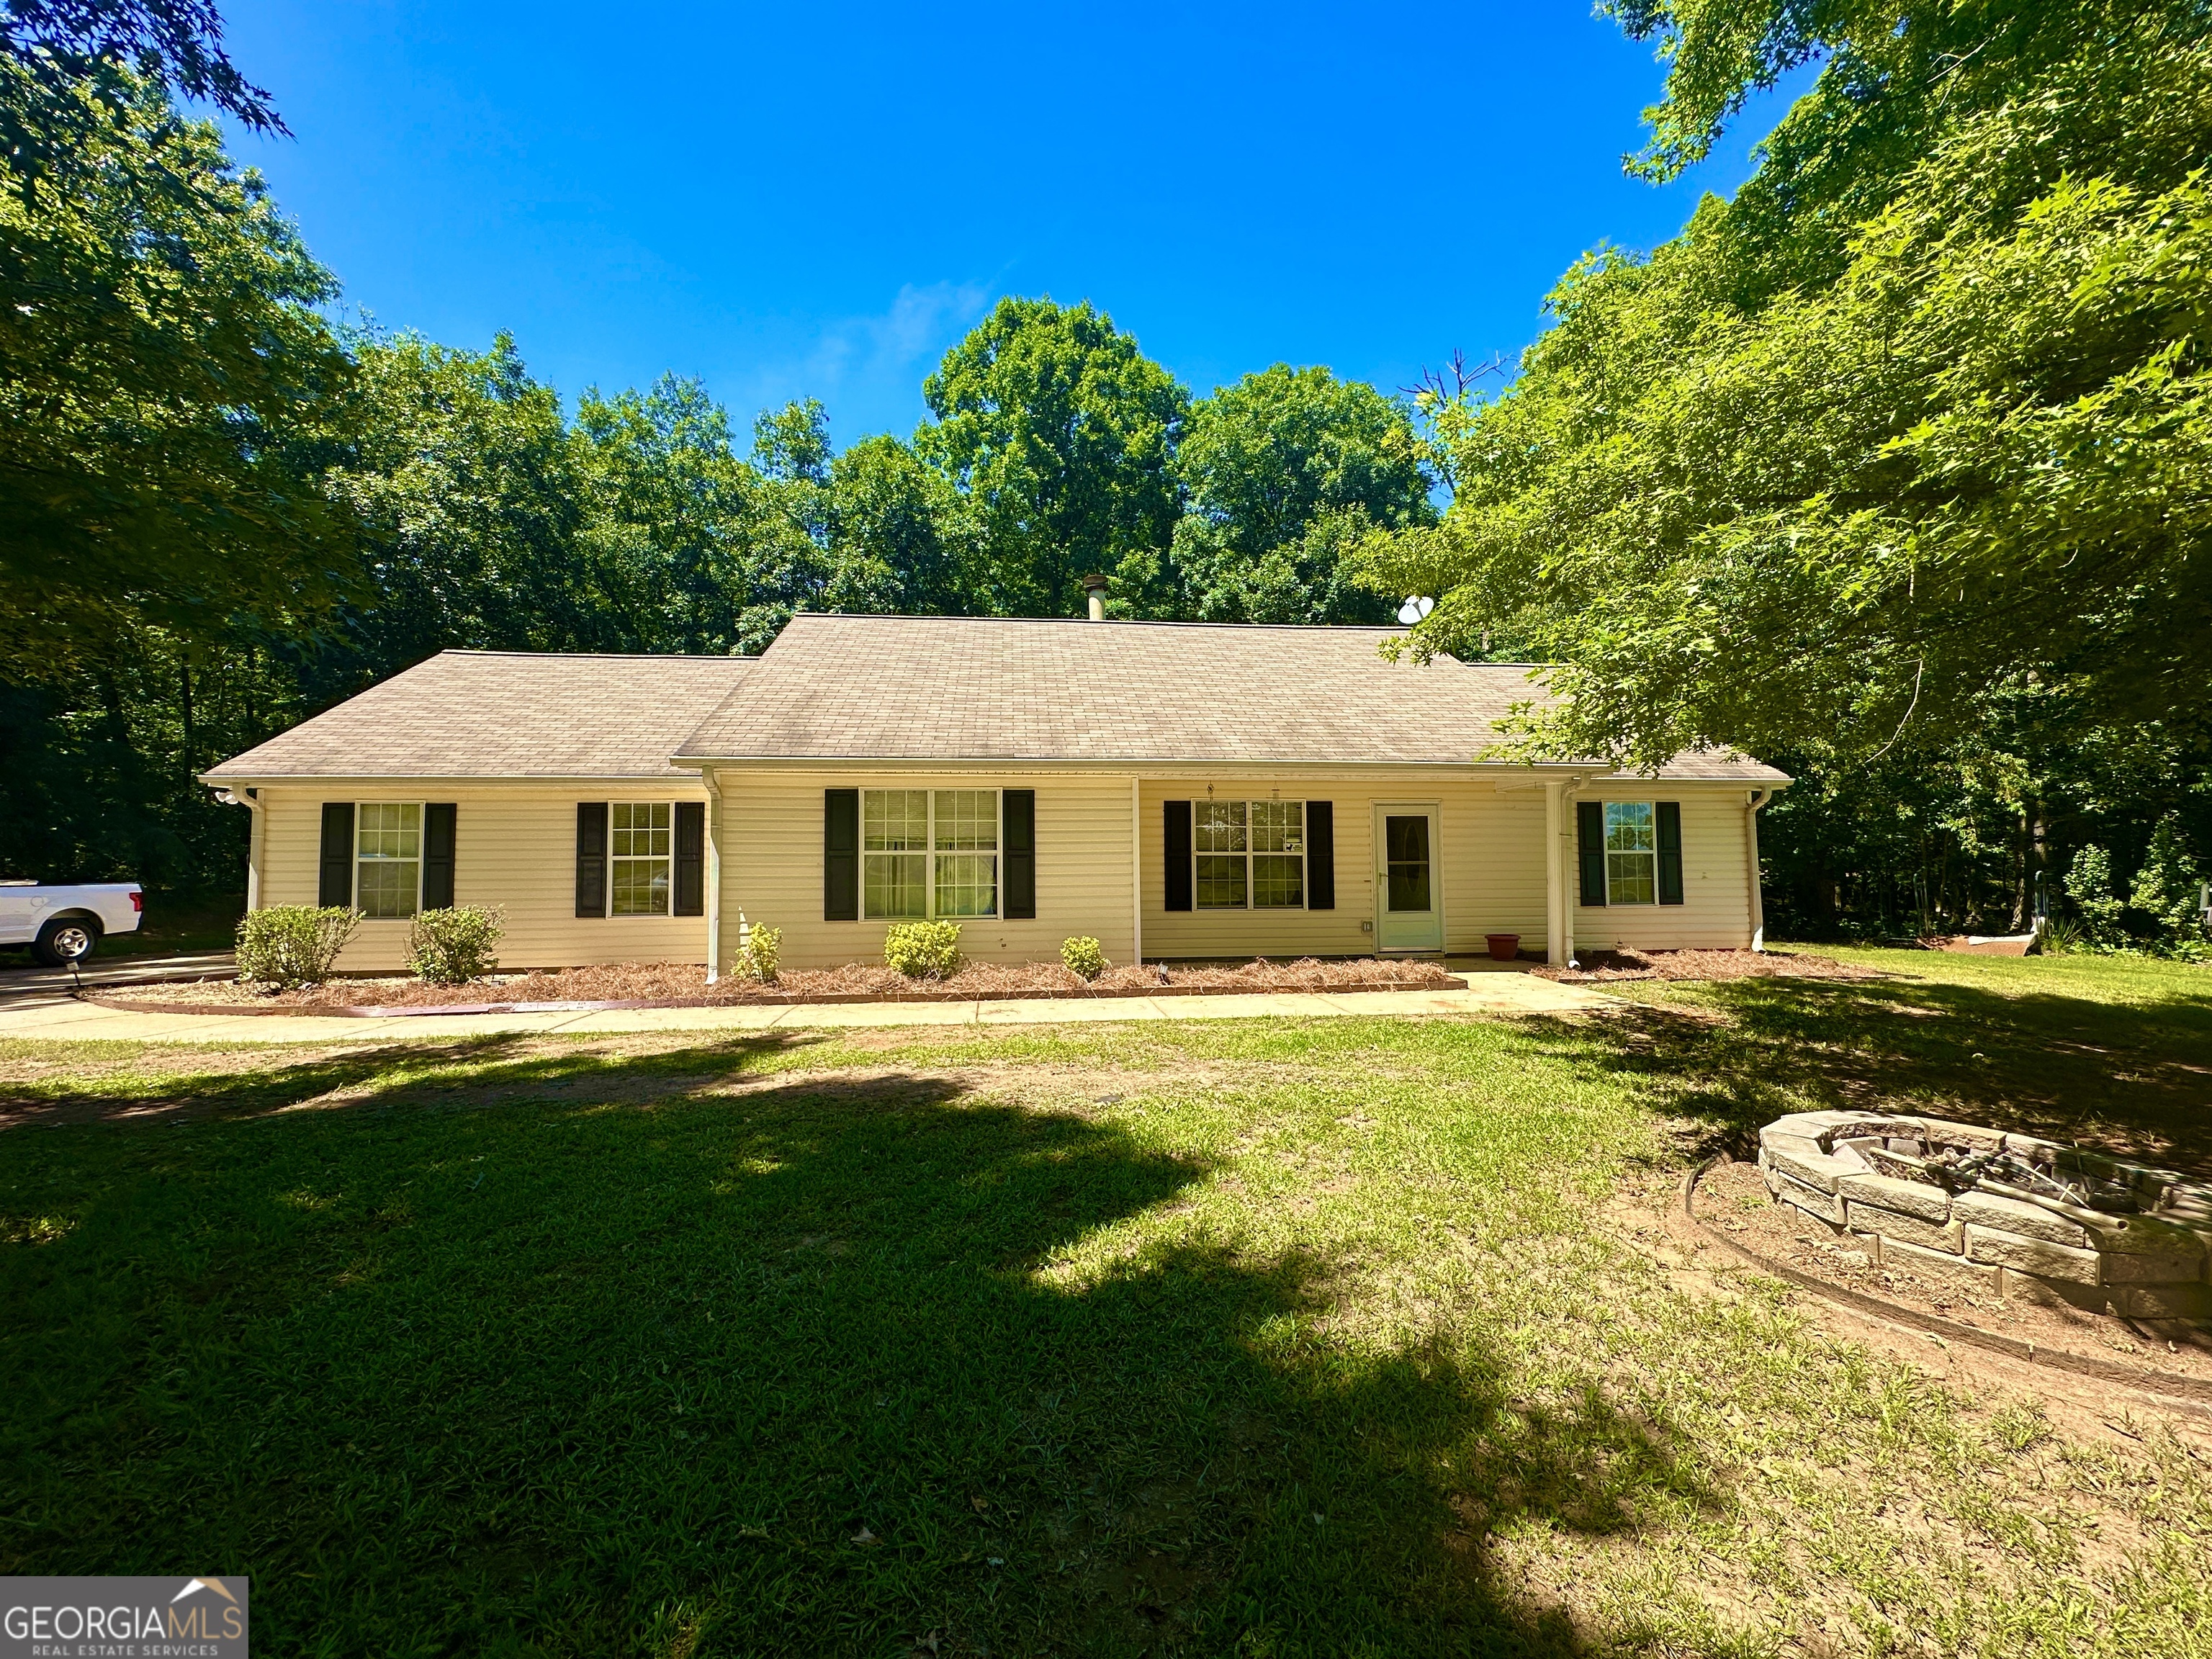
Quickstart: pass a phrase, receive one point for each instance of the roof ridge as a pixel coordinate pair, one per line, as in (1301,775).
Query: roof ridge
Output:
(592,656)
(1113,622)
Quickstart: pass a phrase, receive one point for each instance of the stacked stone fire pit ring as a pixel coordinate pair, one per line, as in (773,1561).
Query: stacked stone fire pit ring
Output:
(2007,1215)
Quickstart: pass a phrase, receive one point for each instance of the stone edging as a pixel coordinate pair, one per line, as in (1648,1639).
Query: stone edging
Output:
(2193,1392)
(774,1000)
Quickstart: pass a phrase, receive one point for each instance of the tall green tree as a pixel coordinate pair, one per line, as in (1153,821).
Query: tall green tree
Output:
(667,506)
(163,369)
(75,73)
(461,479)
(1058,433)
(901,539)
(1964,460)
(1284,472)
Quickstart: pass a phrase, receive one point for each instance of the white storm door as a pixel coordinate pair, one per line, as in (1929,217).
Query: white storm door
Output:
(1409,902)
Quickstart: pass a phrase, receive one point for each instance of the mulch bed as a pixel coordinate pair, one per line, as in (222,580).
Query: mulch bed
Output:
(1732,1200)
(1600,966)
(675,985)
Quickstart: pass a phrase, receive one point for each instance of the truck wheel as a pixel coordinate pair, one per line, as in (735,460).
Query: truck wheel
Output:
(65,939)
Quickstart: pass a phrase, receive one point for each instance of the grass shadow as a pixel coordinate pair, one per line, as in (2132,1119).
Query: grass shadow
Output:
(2132,1078)
(686,1360)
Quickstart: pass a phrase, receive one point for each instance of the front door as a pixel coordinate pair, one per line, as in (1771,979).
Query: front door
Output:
(1409,903)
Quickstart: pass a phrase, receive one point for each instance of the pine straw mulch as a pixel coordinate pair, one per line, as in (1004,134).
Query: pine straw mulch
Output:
(686,984)
(1599,966)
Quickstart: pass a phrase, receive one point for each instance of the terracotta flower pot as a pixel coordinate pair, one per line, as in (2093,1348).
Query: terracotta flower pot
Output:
(1503,947)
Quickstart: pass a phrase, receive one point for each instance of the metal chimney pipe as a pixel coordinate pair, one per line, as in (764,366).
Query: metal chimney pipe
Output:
(1095,585)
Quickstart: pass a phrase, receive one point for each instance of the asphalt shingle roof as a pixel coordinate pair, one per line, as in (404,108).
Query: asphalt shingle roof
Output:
(968,689)
(506,714)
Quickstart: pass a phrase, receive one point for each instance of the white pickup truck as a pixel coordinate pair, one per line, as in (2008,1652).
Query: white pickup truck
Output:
(62,924)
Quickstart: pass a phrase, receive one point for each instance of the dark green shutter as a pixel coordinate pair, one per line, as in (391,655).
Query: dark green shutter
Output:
(591,857)
(690,858)
(1018,811)
(1589,827)
(1176,832)
(840,856)
(1670,852)
(336,887)
(439,823)
(1320,856)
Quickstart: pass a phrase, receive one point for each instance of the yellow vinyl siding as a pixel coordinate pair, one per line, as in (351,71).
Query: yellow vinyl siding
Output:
(1716,910)
(1285,935)
(515,848)
(772,864)
(1489,866)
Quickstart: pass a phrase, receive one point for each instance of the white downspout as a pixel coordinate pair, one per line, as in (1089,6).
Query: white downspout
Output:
(1136,877)
(1555,940)
(256,838)
(713,782)
(1753,802)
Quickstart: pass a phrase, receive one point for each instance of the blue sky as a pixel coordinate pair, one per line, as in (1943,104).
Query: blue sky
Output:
(816,200)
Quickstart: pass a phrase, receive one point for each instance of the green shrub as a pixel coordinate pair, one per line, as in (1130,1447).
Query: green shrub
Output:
(289,946)
(924,949)
(758,948)
(452,947)
(1083,958)
(2089,885)
(2166,891)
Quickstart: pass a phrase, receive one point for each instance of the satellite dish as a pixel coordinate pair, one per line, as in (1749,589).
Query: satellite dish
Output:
(1415,609)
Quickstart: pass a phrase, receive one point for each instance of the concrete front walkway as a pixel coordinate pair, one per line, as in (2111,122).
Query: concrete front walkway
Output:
(1483,993)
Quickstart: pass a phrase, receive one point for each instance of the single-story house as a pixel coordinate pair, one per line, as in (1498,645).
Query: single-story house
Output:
(1176,790)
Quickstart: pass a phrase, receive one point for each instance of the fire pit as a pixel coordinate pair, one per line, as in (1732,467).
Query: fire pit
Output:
(2006,1214)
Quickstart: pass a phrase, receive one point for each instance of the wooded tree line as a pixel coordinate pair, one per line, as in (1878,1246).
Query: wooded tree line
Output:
(1890,470)
(227,512)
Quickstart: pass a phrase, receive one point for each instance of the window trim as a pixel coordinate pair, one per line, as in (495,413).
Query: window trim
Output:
(354,863)
(931,852)
(1304,855)
(609,912)
(1605,830)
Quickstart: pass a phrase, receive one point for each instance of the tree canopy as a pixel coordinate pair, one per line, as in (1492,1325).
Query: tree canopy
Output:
(163,363)
(1283,473)
(1059,434)
(1815,514)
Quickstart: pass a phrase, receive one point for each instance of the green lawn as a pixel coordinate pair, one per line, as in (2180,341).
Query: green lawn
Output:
(1328,1338)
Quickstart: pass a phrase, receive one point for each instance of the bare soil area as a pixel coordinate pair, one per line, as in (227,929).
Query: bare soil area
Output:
(1732,1200)
(638,981)
(1599,966)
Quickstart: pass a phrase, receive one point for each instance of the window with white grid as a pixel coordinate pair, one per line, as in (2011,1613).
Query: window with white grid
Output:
(640,849)
(388,858)
(928,852)
(1249,854)
(1631,852)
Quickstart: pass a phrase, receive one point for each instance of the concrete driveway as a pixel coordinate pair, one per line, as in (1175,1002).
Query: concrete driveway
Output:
(25,984)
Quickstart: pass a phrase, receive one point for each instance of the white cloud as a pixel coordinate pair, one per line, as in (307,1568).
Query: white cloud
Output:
(869,369)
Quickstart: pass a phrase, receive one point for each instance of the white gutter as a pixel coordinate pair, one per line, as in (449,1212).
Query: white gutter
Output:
(1753,802)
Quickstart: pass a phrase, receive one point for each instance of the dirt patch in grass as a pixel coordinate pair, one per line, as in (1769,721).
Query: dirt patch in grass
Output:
(1599,966)
(1732,1199)
(645,981)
